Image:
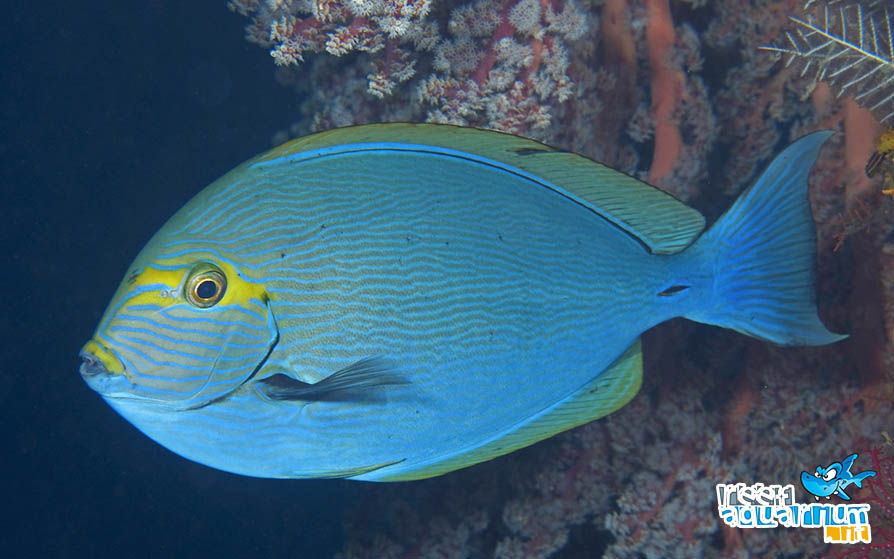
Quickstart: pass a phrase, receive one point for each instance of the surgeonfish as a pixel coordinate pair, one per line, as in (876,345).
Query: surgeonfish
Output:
(397,301)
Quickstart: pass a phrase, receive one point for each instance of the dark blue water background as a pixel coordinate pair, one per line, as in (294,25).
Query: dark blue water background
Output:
(114,114)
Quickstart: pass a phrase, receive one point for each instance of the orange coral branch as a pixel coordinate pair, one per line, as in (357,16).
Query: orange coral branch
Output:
(617,33)
(667,89)
(860,131)
(505,29)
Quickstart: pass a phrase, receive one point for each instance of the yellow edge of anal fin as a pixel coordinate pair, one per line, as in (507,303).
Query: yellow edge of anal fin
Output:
(348,472)
(608,392)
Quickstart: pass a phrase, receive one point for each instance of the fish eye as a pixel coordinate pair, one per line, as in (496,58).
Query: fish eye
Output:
(819,472)
(206,286)
(828,476)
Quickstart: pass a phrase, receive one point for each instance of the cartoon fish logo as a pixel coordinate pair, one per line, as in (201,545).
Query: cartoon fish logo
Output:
(832,480)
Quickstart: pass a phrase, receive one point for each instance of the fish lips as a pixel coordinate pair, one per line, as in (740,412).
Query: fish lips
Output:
(98,377)
(91,365)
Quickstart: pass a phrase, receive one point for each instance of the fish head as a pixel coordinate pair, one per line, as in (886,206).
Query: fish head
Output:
(184,329)
(823,481)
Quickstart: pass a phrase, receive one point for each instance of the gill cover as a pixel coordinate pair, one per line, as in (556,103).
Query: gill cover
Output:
(189,330)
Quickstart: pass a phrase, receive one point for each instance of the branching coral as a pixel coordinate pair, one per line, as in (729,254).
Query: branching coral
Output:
(849,47)
(500,65)
(392,28)
(507,66)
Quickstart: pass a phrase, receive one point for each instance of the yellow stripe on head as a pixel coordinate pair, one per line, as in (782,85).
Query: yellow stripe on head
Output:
(182,284)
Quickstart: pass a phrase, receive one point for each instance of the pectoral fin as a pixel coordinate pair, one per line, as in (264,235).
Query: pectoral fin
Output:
(353,381)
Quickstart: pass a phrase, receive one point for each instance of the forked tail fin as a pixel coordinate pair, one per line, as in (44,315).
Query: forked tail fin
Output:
(762,251)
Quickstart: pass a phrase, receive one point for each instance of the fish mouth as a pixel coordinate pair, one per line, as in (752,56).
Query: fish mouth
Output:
(102,370)
(91,366)
(98,360)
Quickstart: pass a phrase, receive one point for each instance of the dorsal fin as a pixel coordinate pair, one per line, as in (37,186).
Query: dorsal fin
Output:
(661,222)
(608,392)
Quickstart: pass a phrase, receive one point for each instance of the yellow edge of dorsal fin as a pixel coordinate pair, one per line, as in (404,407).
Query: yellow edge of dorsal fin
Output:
(661,222)
(609,391)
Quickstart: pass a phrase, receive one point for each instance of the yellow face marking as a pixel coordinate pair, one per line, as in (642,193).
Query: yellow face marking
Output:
(170,283)
(112,364)
(153,286)
(238,289)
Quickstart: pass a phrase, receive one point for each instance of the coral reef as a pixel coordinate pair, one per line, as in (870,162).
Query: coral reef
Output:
(500,64)
(390,28)
(676,92)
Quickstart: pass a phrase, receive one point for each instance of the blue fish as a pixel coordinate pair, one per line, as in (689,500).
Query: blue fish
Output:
(396,301)
(825,482)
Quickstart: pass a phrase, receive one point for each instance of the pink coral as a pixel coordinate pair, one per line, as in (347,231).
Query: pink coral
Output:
(501,65)
(503,71)
(338,27)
